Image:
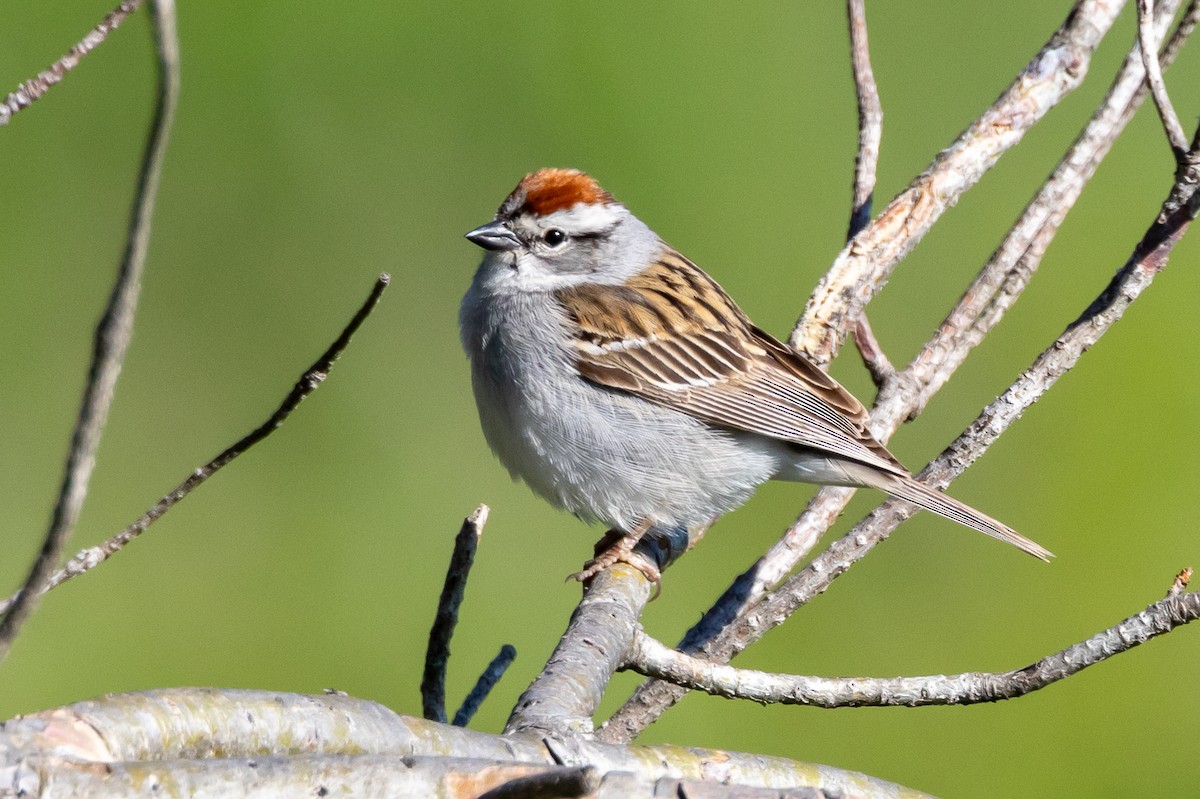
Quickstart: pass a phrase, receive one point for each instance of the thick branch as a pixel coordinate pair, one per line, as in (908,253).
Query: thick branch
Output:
(186,728)
(567,692)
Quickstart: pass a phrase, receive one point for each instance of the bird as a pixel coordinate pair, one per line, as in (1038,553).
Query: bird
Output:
(621,383)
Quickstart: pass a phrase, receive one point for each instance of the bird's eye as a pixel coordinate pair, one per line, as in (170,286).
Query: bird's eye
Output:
(554,237)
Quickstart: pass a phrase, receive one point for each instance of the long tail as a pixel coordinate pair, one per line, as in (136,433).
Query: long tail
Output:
(907,488)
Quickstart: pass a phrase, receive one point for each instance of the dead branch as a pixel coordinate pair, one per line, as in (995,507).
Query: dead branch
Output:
(1148,44)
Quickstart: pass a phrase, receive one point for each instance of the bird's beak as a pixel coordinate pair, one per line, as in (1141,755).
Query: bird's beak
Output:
(495,235)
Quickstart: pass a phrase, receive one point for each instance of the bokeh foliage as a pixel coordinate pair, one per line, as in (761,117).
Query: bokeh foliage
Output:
(320,144)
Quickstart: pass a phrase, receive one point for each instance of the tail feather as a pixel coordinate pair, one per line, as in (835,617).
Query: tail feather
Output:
(932,499)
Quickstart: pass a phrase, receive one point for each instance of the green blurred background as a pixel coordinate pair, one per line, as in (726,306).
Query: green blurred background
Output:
(318,147)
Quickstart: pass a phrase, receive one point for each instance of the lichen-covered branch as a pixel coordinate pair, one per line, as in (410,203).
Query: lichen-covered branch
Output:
(216,740)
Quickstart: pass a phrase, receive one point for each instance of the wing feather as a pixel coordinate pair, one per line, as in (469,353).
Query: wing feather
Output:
(672,336)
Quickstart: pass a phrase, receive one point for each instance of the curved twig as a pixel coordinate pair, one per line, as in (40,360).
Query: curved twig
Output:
(112,334)
(1148,44)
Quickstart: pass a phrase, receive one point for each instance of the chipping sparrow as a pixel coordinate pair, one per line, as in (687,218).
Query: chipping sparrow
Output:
(621,383)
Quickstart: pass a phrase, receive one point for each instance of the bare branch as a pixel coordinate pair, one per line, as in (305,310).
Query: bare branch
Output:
(484,685)
(742,614)
(34,88)
(112,334)
(1127,285)
(88,559)
(437,653)
(864,265)
(1004,277)
(1148,43)
(654,659)
(1012,265)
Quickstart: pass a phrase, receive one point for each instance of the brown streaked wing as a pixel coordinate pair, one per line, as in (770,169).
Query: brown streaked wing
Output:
(672,336)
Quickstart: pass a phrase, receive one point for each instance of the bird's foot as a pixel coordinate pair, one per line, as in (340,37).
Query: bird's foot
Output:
(617,547)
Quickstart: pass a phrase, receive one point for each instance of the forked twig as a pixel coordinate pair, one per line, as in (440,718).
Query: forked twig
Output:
(88,559)
(1148,43)
(1148,259)
(112,333)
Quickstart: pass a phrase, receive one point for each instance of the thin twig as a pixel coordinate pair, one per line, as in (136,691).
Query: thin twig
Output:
(866,162)
(88,559)
(112,334)
(484,685)
(865,264)
(437,653)
(654,659)
(1148,42)
(870,118)
(35,87)
(873,357)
